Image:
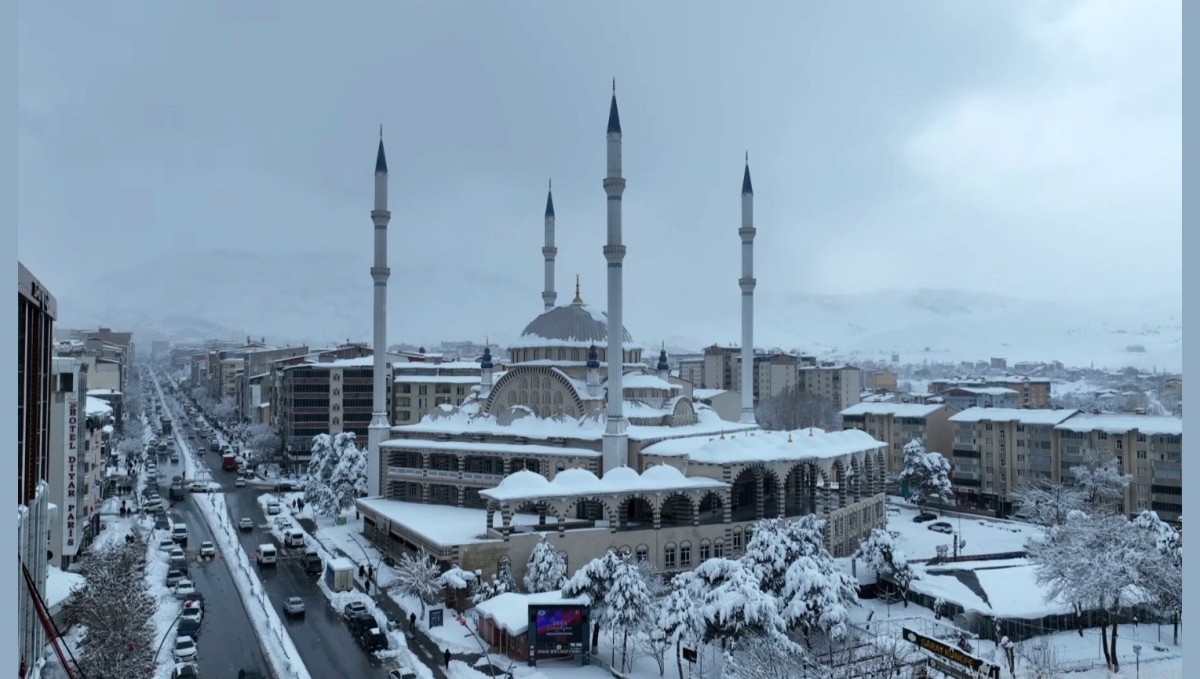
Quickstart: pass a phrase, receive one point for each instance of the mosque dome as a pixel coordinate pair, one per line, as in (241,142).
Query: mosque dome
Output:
(575,322)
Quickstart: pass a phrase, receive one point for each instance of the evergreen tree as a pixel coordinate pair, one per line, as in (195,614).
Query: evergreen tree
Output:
(546,570)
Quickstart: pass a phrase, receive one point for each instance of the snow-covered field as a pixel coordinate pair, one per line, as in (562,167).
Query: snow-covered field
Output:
(982,536)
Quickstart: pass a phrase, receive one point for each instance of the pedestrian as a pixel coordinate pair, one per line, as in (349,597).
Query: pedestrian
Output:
(412,622)
(362,572)
(446,655)
(371,573)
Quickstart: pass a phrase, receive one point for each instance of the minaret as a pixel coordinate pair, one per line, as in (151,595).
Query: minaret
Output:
(616,440)
(485,374)
(379,430)
(747,283)
(664,368)
(549,251)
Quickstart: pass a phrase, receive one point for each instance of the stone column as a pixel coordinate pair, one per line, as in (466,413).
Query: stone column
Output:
(758,493)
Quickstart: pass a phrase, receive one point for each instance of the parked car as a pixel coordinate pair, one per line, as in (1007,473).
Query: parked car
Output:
(402,673)
(294,606)
(272,508)
(166,545)
(922,518)
(355,608)
(186,671)
(185,649)
(250,674)
(246,523)
(194,613)
(184,589)
(174,576)
(941,527)
(239,482)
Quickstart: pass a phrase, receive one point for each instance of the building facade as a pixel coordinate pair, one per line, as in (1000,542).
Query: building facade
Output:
(896,424)
(323,397)
(419,387)
(963,398)
(1031,393)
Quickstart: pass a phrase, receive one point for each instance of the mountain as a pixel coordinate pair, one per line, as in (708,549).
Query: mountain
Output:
(325,297)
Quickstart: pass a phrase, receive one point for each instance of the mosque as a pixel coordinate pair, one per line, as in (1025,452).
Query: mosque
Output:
(543,449)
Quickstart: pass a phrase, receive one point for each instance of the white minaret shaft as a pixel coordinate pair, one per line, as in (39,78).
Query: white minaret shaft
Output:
(549,252)
(379,430)
(747,284)
(616,441)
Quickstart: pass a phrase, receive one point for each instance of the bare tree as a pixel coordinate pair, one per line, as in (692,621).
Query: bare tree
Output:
(796,409)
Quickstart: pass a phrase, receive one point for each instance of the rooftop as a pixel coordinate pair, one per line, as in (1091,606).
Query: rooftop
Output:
(1022,415)
(1121,423)
(572,323)
(895,409)
(527,485)
(765,446)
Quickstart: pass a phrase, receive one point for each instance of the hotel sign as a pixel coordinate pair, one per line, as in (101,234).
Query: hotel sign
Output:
(70,478)
(975,665)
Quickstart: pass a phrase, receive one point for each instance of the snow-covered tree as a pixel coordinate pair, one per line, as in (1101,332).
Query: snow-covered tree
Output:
(1047,503)
(226,410)
(738,609)
(546,570)
(418,576)
(457,578)
(679,620)
(880,554)
(1101,480)
(1163,577)
(116,609)
(592,583)
(263,440)
(482,590)
(336,474)
(504,574)
(628,602)
(795,409)
(768,657)
(927,475)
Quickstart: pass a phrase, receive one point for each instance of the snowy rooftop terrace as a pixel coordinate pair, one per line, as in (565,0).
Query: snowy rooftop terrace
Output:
(511,609)
(1042,416)
(1120,423)
(97,406)
(894,409)
(441,525)
(486,447)
(363,362)
(527,485)
(768,446)
(647,382)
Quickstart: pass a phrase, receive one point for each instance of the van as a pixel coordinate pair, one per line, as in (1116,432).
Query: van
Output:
(293,538)
(179,533)
(267,555)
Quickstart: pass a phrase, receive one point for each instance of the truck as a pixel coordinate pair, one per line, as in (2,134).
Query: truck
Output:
(339,574)
(229,462)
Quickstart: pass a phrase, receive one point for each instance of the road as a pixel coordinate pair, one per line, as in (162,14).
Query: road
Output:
(323,640)
(227,642)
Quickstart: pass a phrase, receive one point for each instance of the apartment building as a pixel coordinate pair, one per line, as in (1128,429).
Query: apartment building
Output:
(896,424)
(36,311)
(692,370)
(880,379)
(999,449)
(777,372)
(328,396)
(1031,393)
(964,398)
(419,387)
(1146,446)
(254,385)
(840,384)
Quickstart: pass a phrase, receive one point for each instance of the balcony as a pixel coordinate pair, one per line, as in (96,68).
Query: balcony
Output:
(444,474)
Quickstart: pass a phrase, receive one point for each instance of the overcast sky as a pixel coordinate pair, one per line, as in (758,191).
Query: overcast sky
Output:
(1029,149)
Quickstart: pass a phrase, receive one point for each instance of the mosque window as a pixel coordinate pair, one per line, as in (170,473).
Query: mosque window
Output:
(558,398)
(524,382)
(705,551)
(545,383)
(537,398)
(685,555)
(524,397)
(718,549)
(512,397)
(737,539)
(669,555)
(643,552)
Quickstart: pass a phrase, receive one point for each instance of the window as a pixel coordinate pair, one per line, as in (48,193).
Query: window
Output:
(669,555)
(737,540)
(643,552)
(685,555)
(423,389)
(705,551)
(719,548)
(1141,454)
(405,388)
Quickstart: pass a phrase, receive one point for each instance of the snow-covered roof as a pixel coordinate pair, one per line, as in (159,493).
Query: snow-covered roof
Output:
(264,404)
(107,429)
(510,610)
(438,379)
(442,525)
(527,485)
(570,323)
(103,392)
(894,409)
(485,447)
(987,391)
(765,446)
(705,394)
(643,381)
(59,584)
(97,406)
(361,362)
(418,367)
(1120,423)
(1022,415)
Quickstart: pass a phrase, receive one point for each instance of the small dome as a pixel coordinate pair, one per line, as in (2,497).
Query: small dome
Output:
(663,474)
(575,478)
(523,481)
(572,323)
(620,477)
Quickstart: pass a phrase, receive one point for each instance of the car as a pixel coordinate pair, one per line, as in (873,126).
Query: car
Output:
(294,606)
(922,518)
(250,674)
(176,479)
(402,673)
(163,523)
(199,487)
(174,576)
(355,608)
(185,671)
(185,649)
(272,508)
(152,503)
(166,545)
(194,613)
(177,553)
(284,523)
(184,588)
(246,523)
(239,483)
(208,549)
(941,527)
(175,457)
(196,600)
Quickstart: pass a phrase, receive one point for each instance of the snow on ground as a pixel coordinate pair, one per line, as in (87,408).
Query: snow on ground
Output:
(982,536)
(445,525)
(59,584)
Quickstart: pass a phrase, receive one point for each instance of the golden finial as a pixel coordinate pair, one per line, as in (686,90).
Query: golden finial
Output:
(578,299)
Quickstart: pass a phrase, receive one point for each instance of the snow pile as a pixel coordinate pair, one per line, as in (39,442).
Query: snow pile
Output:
(59,584)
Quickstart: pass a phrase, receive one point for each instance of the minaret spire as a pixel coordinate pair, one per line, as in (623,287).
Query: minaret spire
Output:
(747,284)
(549,251)
(578,299)
(379,429)
(616,438)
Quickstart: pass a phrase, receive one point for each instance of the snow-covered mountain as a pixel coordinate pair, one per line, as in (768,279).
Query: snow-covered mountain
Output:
(326,297)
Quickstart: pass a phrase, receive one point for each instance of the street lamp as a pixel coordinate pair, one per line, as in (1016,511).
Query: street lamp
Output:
(1137,655)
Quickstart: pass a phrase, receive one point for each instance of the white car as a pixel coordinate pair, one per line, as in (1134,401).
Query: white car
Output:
(246,523)
(177,553)
(192,613)
(166,545)
(283,523)
(185,649)
(239,483)
(272,508)
(208,549)
(184,589)
(198,487)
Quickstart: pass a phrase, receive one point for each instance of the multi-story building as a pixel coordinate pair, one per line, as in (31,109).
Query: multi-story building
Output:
(963,398)
(692,370)
(896,424)
(324,397)
(36,311)
(254,388)
(881,379)
(839,384)
(777,372)
(999,449)
(418,388)
(1031,393)
(1150,448)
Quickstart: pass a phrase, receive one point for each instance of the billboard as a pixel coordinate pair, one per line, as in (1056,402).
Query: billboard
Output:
(561,628)
(70,542)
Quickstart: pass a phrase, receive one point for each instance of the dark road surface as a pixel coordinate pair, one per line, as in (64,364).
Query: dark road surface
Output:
(323,640)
